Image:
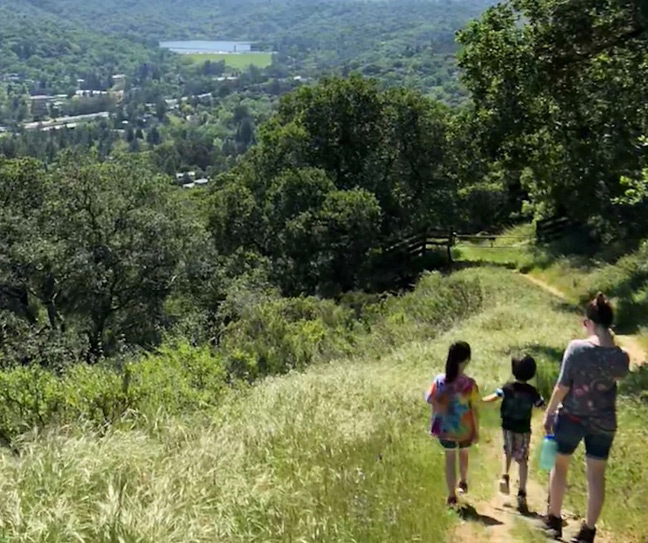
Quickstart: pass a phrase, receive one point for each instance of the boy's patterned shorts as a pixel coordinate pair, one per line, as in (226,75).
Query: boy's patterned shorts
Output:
(517,445)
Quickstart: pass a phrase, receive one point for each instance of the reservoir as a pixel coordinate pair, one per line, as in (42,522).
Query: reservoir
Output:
(199,46)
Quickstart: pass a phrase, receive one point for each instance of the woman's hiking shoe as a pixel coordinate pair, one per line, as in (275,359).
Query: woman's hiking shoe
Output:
(522,505)
(463,487)
(553,526)
(505,485)
(585,535)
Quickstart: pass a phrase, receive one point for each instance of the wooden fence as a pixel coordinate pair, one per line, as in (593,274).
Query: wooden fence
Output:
(551,229)
(417,245)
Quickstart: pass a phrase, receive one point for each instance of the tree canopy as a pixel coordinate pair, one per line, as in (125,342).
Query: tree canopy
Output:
(559,90)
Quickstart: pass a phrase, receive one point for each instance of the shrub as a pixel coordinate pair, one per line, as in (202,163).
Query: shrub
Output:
(269,336)
(29,397)
(285,334)
(176,378)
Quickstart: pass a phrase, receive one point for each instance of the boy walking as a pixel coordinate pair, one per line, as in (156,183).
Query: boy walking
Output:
(518,400)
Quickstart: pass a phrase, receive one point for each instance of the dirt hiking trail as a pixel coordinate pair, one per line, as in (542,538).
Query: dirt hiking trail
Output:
(629,343)
(497,520)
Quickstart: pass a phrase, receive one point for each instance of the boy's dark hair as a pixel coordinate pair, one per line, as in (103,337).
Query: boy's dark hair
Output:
(524,368)
(600,311)
(458,353)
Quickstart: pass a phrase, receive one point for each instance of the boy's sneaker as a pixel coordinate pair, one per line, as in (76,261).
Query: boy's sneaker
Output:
(585,535)
(553,526)
(463,487)
(505,485)
(523,507)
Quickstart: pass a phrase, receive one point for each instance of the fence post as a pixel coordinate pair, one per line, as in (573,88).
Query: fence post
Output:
(424,247)
(450,244)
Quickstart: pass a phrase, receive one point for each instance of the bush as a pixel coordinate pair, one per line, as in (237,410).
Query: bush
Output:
(435,305)
(280,335)
(178,377)
(269,336)
(29,397)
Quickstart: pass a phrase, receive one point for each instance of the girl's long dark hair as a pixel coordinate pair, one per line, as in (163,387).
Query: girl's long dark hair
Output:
(458,353)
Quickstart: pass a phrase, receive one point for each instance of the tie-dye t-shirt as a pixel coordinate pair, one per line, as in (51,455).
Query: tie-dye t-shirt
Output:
(452,405)
(591,373)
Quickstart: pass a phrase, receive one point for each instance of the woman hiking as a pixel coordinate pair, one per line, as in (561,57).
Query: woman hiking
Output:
(587,390)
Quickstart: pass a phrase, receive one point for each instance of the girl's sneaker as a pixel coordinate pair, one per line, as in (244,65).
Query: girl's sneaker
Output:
(505,485)
(585,535)
(463,487)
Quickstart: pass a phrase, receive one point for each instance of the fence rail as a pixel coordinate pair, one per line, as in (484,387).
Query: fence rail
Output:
(417,245)
(551,229)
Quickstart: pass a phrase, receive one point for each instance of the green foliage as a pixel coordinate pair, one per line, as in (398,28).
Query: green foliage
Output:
(280,335)
(341,168)
(176,379)
(92,247)
(266,335)
(557,88)
(51,53)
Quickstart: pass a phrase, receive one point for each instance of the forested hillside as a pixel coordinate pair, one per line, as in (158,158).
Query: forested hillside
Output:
(177,229)
(411,41)
(310,202)
(52,53)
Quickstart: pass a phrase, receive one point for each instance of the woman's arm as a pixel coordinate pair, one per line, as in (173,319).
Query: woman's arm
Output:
(557,397)
(561,389)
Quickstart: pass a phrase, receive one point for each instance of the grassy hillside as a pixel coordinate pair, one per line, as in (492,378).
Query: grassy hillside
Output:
(338,452)
(621,275)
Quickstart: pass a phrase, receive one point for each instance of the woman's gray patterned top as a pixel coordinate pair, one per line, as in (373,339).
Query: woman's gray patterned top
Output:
(591,372)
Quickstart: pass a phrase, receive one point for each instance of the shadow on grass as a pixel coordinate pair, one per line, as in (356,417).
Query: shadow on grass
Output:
(545,353)
(469,513)
(635,385)
(470,264)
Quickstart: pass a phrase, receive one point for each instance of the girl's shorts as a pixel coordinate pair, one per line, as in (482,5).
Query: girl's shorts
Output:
(450,445)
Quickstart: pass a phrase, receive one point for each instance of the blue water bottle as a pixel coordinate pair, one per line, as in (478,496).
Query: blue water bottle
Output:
(548,452)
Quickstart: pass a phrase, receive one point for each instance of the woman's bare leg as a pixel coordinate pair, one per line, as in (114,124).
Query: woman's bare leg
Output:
(558,484)
(595,490)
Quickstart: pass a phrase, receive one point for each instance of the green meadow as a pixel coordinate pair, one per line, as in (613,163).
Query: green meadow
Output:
(237,61)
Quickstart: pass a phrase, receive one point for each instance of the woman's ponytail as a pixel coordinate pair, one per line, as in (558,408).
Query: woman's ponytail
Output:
(600,311)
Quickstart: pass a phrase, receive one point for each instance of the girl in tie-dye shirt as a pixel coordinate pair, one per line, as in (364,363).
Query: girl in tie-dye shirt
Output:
(455,418)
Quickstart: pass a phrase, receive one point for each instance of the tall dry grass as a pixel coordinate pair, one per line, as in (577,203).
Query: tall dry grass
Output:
(338,452)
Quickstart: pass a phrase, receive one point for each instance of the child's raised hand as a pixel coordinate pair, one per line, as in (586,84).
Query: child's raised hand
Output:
(490,398)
